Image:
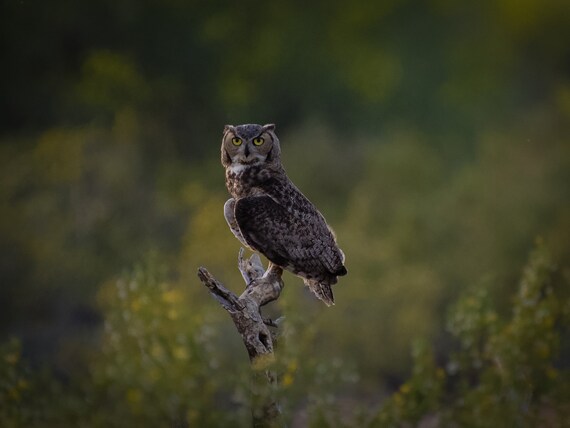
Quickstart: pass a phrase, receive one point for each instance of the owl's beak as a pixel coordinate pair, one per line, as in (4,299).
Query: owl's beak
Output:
(246,151)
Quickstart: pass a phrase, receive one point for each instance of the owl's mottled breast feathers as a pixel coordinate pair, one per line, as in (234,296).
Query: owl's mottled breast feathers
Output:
(250,180)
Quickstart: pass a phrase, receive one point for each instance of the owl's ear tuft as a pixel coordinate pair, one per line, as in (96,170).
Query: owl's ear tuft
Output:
(229,128)
(269,127)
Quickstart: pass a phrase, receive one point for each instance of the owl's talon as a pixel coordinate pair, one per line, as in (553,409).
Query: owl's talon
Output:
(255,261)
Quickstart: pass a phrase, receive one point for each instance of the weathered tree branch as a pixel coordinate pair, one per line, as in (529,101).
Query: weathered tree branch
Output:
(262,286)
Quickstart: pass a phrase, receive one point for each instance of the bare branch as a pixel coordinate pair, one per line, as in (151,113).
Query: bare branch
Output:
(262,286)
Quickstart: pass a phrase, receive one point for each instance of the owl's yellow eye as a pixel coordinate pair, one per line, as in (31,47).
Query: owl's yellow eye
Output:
(236,141)
(258,141)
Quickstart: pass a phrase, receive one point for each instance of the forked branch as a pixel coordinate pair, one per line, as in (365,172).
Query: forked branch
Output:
(262,286)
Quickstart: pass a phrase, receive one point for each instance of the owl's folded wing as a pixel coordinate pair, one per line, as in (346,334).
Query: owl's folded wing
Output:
(288,240)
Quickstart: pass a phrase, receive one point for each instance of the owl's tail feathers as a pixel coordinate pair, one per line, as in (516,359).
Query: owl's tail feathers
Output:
(322,290)
(322,287)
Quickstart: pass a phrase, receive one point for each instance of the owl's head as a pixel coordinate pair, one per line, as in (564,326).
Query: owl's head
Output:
(250,145)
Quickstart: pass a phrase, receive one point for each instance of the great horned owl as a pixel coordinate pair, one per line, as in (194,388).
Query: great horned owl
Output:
(268,214)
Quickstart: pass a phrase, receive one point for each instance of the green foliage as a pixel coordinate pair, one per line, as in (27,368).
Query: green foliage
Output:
(156,365)
(161,361)
(157,356)
(14,383)
(504,372)
(307,382)
(421,395)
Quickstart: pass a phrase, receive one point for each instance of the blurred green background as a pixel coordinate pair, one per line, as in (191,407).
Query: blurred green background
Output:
(434,136)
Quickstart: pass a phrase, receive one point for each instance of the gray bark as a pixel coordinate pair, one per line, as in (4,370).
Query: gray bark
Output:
(262,286)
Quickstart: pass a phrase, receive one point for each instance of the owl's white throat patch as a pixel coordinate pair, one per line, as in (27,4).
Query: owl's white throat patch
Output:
(238,168)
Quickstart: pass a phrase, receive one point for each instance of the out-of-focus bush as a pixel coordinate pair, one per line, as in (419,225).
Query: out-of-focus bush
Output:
(160,363)
(505,372)
(162,360)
